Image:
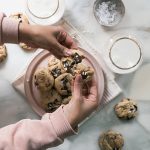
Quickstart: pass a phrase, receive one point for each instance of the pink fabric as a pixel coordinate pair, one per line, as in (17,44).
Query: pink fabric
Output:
(31,134)
(36,134)
(8,30)
(61,125)
(1,19)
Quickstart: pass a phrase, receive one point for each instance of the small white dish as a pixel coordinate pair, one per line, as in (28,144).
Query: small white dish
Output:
(45,12)
(123,54)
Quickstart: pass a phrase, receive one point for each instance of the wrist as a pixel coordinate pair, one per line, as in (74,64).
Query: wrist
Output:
(70,116)
(24,34)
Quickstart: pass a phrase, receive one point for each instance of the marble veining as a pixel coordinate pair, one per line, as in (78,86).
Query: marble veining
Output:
(136,21)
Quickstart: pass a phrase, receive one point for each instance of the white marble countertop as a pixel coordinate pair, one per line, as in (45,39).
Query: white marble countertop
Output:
(14,107)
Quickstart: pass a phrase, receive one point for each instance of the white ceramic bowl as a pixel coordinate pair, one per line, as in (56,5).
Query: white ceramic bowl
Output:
(123,53)
(45,12)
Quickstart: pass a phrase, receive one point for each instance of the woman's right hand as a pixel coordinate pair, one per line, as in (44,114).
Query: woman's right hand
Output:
(52,38)
(81,105)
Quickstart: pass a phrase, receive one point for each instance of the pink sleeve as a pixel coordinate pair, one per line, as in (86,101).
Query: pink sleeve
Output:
(36,134)
(8,30)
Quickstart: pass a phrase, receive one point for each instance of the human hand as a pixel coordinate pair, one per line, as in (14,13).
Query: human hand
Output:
(81,105)
(52,38)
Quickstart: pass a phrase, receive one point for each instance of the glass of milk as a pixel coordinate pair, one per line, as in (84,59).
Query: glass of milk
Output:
(45,12)
(123,54)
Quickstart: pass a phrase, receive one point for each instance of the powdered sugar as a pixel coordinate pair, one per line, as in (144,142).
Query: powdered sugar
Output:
(108,13)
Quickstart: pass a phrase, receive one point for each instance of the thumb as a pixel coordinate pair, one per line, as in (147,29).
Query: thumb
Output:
(77,90)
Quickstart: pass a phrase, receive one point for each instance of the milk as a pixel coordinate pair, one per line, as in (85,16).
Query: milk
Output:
(43,8)
(125,53)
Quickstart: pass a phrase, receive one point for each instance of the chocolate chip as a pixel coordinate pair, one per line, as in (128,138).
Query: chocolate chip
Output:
(49,105)
(115,148)
(51,110)
(84,74)
(56,102)
(136,108)
(36,84)
(64,82)
(128,118)
(56,72)
(131,109)
(66,64)
(69,93)
(19,15)
(77,58)
(73,63)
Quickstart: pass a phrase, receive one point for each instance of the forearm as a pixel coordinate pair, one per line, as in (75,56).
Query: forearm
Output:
(26,32)
(36,134)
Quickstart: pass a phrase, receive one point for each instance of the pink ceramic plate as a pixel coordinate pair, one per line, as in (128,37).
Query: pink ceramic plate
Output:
(41,60)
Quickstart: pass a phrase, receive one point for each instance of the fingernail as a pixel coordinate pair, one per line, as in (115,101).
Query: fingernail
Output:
(68,52)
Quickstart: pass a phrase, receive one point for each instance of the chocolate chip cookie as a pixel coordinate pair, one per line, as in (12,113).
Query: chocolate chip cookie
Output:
(68,64)
(85,71)
(111,140)
(55,67)
(66,100)
(126,109)
(53,61)
(43,80)
(63,84)
(3,53)
(26,47)
(20,16)
(50,100)
(77,56)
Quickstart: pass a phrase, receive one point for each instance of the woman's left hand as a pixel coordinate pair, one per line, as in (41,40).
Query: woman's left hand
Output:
(81,105)
(52,38)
